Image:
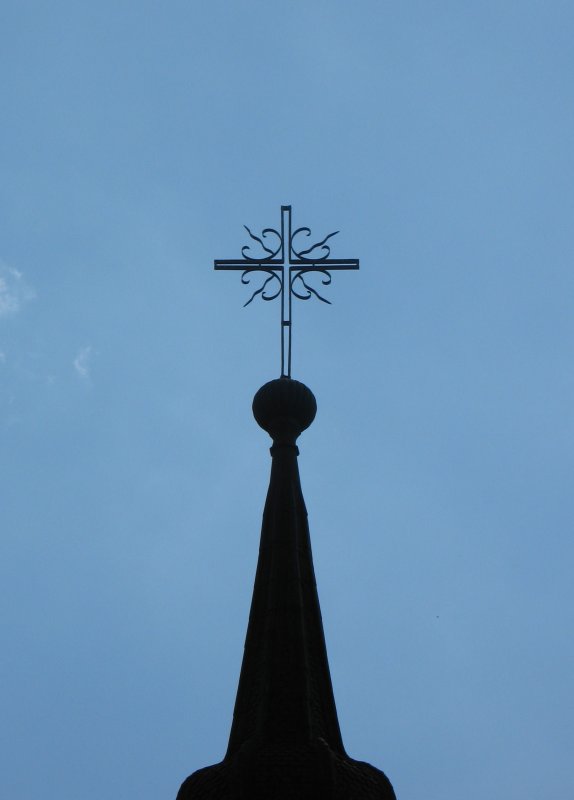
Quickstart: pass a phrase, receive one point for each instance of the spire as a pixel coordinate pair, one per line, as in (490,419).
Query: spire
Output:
(285,688)
(285,740)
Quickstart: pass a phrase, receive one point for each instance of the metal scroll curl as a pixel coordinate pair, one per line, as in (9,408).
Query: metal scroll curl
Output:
(303,255)
(263,291)
(271,254)
(301,289)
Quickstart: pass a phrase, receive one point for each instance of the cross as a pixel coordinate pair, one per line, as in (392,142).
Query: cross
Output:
(280,259)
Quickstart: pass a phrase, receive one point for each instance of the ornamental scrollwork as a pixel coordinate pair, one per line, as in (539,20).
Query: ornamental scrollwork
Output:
(266,294)
(302,255)
(302,290)
(271,254)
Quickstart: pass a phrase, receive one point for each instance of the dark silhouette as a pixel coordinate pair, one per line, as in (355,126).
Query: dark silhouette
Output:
(285,742)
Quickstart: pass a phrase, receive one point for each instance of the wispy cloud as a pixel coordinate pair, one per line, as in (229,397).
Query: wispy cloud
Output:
(82,363)
(14,291)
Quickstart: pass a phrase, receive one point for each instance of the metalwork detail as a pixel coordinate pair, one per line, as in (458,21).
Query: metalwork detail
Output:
(273,276)
(299,276)
(264,233)
(278,255)
(301,254)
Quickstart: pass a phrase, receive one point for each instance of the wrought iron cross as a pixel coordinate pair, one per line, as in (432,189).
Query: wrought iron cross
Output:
(280,260)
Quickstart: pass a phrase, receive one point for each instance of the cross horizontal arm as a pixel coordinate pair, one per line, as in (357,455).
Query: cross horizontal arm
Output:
(328,264)
(244,264)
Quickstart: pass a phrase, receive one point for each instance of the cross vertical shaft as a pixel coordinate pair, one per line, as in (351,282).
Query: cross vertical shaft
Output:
(286,318)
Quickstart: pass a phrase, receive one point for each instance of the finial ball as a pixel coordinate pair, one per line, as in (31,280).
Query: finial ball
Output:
(284,408)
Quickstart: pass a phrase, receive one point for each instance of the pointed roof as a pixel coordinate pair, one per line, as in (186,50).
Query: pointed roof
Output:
(285,740)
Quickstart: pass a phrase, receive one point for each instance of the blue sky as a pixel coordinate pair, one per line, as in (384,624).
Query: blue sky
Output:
(136,140)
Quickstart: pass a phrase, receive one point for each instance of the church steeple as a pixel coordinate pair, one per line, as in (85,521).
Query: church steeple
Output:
(285,741)
(285,688)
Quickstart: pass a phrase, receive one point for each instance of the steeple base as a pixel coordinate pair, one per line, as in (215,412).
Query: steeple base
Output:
(282,772)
